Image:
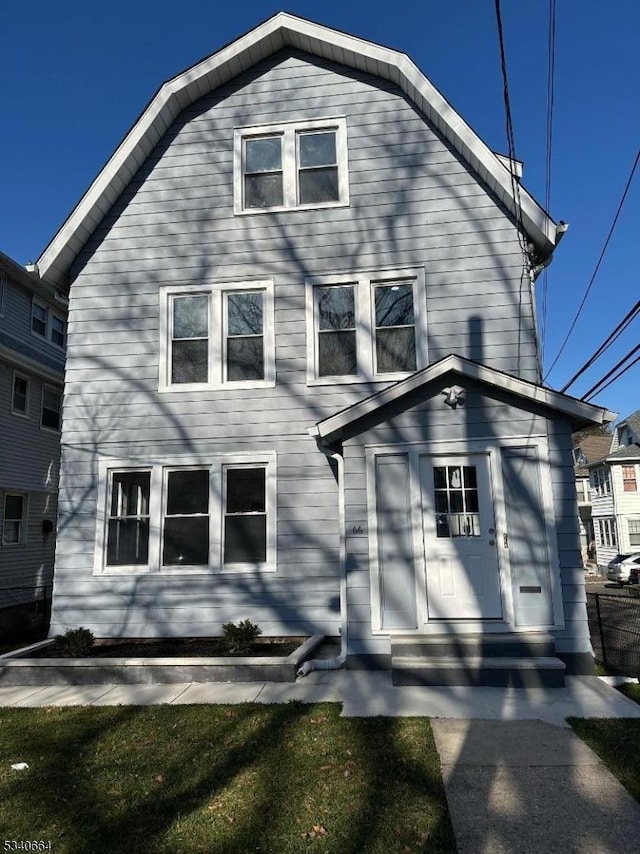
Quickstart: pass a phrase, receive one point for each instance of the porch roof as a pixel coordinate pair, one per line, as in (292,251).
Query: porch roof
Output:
(581,414)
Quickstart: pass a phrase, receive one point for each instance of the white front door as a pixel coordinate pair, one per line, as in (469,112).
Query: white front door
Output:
(460,549)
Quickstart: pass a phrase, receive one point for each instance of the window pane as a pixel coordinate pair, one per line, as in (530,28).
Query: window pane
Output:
(263,191)
(245,490)
(130,493)
(186,540)
(440,477)
(470,479)
(336,307)
(263,155)
(58,328)
(245,359)
(20,394)
(190,361)
(455,497)
(51,399)
(318,149)
(128,542)
(13,505)
(39,319)
(442,502)
(244,314)
(395,349)
(51,408)
(245,539)
(191,317)
(319,185)
(188,492)
(471,500)
(337,354)
(394,305)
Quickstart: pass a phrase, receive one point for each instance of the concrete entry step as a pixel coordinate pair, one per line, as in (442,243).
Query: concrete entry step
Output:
(496,671)
(529,644)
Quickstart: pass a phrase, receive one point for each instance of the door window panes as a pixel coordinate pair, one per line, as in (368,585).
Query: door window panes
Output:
(456,501)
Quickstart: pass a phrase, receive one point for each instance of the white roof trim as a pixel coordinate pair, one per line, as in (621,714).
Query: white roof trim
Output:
(263,41)
(331,427)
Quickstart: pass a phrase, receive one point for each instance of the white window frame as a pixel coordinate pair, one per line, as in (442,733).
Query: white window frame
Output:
(364,283)
(633,479)
(48,322)
(27,379)
(24,521)
(607,533)
(289,132)
(601,482)
(635,521)
(216,294)
(159,469)
(58,391)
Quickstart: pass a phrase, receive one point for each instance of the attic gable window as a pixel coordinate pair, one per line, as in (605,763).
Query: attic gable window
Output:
(291,166)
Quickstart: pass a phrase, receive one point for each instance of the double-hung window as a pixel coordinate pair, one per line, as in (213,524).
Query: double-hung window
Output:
(51,407)
(14,520)
(215,336)
(366,326)
(185,514)
(20,395)
(601,482)
(45,323)
(634,534)
(629,482)
(291,165)
(607,534)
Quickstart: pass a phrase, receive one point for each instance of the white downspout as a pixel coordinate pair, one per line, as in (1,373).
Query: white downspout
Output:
(339,661)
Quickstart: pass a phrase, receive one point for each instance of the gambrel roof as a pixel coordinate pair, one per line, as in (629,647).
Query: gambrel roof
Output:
(284,31)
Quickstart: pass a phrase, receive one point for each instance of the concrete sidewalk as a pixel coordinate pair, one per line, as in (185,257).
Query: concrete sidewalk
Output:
(518,781)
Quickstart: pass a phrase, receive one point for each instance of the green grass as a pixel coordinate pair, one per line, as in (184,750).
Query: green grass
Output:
(631,690)
(616,743)
(277,778)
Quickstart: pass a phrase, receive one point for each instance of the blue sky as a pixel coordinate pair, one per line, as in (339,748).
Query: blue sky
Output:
(75,75)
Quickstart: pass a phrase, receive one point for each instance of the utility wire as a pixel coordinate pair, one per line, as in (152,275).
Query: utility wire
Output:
(597,267)
(596,389)
(515,184)
(617,377)
(613,336)
(551,70)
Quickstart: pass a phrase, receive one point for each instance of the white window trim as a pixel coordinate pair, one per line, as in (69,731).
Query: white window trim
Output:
(217,331)
(50,313)
(364,283)
(25,518)
(58,390)
(607,530)
(288,131)
(159,469)
(634,519)
(601,482)
(17,412)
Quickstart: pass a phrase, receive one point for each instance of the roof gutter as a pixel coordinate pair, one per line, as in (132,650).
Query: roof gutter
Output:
(539,262)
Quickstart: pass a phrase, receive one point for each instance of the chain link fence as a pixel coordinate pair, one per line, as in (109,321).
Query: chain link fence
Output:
(614,623)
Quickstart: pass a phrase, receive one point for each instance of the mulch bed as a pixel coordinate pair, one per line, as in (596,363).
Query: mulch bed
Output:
(177,648)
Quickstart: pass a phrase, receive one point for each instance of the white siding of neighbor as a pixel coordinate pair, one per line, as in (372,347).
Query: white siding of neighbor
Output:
(413,203)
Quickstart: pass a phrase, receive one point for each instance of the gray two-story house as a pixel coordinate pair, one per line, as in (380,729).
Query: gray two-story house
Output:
(302,382)
(33,320)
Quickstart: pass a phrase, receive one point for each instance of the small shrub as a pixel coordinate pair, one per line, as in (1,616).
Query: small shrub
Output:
(239,638)
(75,643)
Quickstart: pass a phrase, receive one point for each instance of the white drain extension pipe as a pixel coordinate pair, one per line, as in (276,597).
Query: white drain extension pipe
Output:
(339,661)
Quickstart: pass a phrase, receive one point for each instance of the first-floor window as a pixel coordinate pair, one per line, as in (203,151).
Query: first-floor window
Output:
(189,514)
(14,519)
(128,526)
(51,407)
(629,483)
(634,533)
(186,519)
(245,518)
(607,534)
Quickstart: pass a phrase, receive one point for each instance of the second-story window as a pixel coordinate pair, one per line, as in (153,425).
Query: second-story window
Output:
(336,331)
(395,328)
(218,335)
(20,395)
(601,482)
(51,407)
(291,165)
(45,323)
(629,482)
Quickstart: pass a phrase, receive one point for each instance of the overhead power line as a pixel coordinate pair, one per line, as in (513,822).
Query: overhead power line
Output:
(609,340)
(597,267)
(598,387)
(551,71)
(617,377)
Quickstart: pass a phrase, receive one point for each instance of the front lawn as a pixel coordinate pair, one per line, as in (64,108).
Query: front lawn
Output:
(616,743)
(247,778)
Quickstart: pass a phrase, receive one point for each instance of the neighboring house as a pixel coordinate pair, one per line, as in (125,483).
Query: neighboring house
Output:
(33,321)
(302,383)
(587,450)
(615,493)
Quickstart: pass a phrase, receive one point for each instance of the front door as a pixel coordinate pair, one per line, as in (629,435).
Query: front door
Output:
(460,548)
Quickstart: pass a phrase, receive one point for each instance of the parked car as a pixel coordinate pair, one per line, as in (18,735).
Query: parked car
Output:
(620,568)
(634,574)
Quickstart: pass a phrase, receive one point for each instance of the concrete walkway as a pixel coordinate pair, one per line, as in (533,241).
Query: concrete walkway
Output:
(518,781)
